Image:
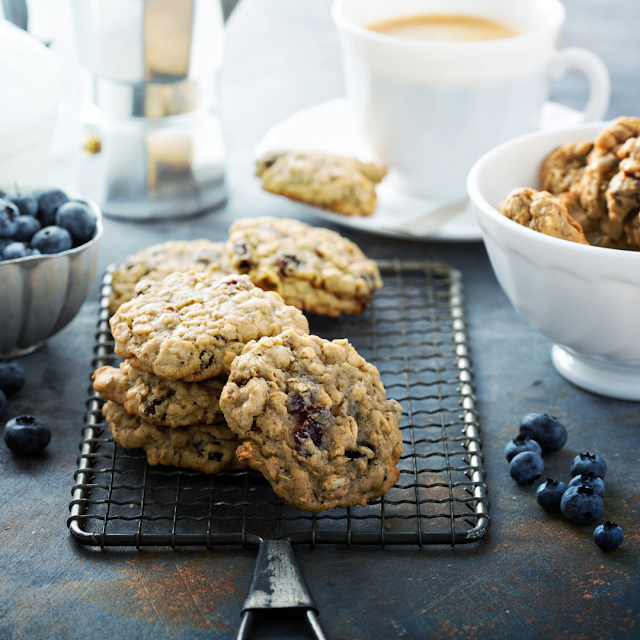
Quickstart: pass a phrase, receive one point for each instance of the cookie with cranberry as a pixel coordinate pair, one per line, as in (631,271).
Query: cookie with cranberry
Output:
(170,403)
(314,269)
(315,420)
(158,261)
(203,447)
(192,325)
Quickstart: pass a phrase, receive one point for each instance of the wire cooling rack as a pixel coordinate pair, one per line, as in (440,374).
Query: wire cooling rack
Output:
(414,332)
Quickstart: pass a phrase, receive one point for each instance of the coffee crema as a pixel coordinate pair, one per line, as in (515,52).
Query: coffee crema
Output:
(447,28)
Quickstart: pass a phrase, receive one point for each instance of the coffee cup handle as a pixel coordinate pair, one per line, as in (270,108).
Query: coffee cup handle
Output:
(595,70)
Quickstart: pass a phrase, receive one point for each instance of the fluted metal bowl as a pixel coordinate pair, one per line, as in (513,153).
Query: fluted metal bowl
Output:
(40,295)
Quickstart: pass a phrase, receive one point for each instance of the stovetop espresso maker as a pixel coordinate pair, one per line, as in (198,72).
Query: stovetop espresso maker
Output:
(152,133)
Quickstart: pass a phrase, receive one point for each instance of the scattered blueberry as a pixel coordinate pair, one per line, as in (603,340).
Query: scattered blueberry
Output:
(26,435)
(589,480)
(48,203)
(78,219)
(546,430)
(52,240)
(549,494)
(19,250)
(27,227)
(589,462)
(12,376)
(8,219)
(608,536)
(27,205)
(525,467)
(581,504)
(3,403)
(519,444)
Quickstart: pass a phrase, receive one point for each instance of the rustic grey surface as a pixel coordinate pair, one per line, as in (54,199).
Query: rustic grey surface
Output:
(533,576)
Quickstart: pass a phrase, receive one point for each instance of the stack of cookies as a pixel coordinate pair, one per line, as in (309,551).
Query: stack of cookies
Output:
(219,373)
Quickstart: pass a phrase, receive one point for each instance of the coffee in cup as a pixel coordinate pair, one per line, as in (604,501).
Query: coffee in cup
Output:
(429,108)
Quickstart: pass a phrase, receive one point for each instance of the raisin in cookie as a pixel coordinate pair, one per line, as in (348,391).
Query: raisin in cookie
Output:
(158,261)
(339,183)
(170,403)
(204,447)
(314,420)
(543,212)
(192,325)
(314,269)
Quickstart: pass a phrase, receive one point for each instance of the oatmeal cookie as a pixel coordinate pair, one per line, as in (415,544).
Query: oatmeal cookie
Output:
(564,166)
(192,325)
(314,420)
(314,269)
(204,447)
(158,261)
(338,183)
(168,403)
(541,211)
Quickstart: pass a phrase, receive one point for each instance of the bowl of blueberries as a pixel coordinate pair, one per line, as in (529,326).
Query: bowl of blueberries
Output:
(48,254)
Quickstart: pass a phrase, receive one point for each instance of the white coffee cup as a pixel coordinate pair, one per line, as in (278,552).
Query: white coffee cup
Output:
(430,109)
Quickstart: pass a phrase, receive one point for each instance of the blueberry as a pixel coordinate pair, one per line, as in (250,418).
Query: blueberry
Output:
(26,435)
(27,227)
(608,536)
(12,376)
(581,504)
(589,462)
(549,494)
(27,205)
(518,445)
(8,219)
(78,219)
(48,203)
(4,243)
(19,250)
(546,430)
(525,467)
(52,240)
(3,403)
(589,480)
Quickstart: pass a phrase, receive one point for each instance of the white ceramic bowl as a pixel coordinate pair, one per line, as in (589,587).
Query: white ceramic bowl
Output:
(40,295)
(585,299)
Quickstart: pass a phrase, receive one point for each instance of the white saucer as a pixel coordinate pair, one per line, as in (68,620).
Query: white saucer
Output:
(330,127)
(597,376)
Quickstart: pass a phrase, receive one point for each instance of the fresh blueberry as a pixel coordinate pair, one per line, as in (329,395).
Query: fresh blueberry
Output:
(27,205)
(518,445)
(78,219)
(4,243)
(608,536)
(546,430)
(19,250)
(525,467)
(581,504)
(8,219)
(48,203)
(26,435)
(52,240)
(27,227)
(589,462)
(3,403)
(12,376)
(589,480)
(549,494)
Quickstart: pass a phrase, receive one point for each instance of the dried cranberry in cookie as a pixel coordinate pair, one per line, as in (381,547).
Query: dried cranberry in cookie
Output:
(314,420)
(192,325)
(314,269)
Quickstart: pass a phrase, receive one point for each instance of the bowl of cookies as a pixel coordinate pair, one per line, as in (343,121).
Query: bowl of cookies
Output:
(559,213)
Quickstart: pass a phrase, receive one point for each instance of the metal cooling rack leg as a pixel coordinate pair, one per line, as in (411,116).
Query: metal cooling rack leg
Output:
(278,583)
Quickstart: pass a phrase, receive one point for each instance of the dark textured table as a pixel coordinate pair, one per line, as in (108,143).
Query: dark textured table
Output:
(534,575)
